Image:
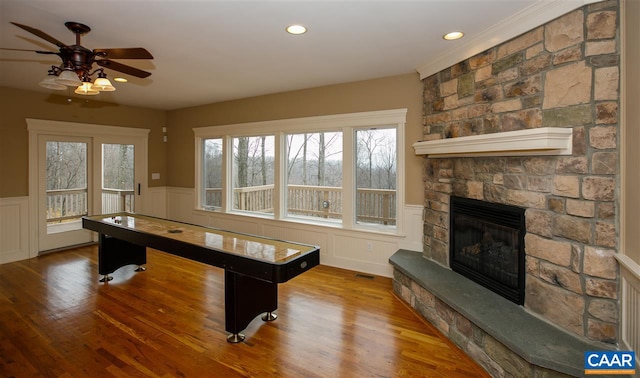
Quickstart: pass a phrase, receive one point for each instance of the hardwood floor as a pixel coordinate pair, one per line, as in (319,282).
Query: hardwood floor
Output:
(57,320)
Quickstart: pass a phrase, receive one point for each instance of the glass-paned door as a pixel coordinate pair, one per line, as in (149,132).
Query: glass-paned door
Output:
(64,198)
(118,178)
(82,169)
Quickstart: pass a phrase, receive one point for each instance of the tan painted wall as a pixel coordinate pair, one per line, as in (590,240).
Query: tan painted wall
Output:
(16,105)
(404,91)
(631,130)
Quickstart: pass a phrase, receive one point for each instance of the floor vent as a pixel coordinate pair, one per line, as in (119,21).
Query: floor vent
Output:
(362,275)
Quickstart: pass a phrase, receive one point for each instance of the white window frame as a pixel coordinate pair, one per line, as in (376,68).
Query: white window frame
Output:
(347,123)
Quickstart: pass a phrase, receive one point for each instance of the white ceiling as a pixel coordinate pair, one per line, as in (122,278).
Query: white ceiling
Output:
(211,51)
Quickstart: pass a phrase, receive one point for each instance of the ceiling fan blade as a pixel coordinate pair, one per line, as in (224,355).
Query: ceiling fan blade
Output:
(35,51)
(128,53)
(40,34)
(110,64)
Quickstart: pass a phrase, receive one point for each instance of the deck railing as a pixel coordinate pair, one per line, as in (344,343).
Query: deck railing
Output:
(116,200)
(376,206)
(254,198)
(67,204)
(373,205)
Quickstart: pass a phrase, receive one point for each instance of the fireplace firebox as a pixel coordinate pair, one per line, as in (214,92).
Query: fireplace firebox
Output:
(487,245)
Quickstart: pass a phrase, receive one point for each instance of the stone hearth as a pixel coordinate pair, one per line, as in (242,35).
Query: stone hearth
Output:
(504,338)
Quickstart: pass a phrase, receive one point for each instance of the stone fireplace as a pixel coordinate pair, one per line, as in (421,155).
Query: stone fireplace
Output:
(562,75)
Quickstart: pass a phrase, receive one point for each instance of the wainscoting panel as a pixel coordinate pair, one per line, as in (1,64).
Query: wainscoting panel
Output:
(233,224)
(630,282)
(156,203)
(300,235)
(180,204)
(14,227)
(413,228)
(360,250)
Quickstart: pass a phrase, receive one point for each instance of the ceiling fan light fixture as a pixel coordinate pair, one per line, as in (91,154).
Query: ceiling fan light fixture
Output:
(49,82)
(103,84)
(69,78)
(86,89)
(120,79)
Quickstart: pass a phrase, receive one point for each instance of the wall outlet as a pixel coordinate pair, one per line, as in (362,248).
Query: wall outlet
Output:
(369,247)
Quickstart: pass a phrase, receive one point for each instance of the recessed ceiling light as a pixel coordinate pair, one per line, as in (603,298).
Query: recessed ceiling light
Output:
(296,29)
(120,79)
(453,35)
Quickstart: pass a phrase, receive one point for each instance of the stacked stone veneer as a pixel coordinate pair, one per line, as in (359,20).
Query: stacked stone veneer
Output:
(562,74)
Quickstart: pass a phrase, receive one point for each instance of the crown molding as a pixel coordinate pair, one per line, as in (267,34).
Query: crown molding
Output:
(527,19)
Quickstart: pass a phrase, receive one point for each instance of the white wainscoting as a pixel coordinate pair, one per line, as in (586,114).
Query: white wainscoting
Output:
(14,229)
(156,202)
(630,283)
(361,251)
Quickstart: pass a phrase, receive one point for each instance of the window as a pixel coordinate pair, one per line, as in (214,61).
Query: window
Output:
(341,170)
(376,181)
(253,173)
(314,175)
(212,173)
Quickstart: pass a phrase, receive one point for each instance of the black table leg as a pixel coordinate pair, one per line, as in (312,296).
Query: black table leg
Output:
(246,298)
(115,253)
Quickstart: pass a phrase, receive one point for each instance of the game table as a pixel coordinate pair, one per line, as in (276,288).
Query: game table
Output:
(253,265)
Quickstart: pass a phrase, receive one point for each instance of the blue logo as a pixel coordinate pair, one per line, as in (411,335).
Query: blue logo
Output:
(620,362)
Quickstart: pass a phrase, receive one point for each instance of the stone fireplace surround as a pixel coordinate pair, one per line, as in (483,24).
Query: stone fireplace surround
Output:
(503,337)
(564,74)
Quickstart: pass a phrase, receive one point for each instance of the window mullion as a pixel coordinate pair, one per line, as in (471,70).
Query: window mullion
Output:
(280,184)
(348,177)
(227,183)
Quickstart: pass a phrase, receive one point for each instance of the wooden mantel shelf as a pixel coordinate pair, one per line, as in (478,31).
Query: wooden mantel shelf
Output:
(540,141)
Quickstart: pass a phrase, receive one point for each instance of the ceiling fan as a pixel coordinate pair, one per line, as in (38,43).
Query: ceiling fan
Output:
(77,62)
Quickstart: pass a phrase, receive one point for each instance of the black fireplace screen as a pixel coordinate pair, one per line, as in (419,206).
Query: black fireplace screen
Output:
(487,245)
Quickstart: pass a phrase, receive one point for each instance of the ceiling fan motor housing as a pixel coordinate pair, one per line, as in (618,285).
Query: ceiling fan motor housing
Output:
(77,57)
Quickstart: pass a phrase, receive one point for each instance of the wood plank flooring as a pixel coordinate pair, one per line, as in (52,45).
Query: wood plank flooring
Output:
(57,320)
